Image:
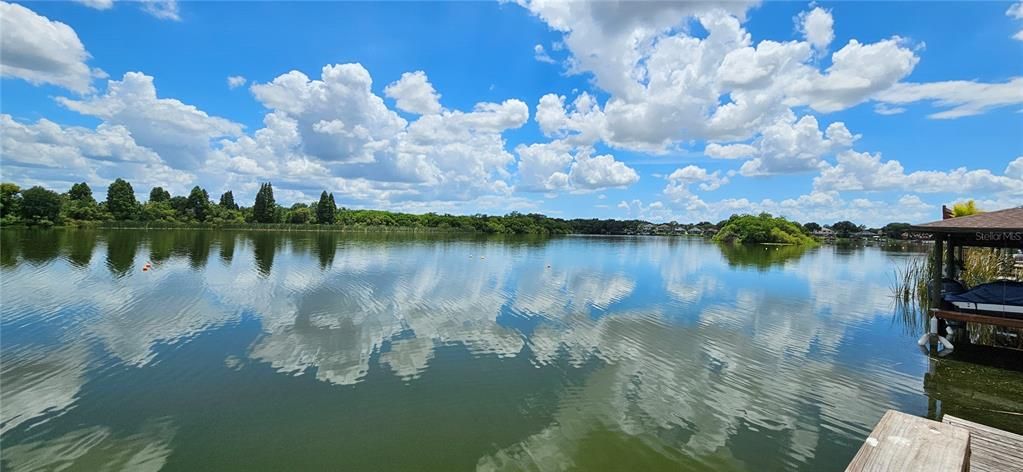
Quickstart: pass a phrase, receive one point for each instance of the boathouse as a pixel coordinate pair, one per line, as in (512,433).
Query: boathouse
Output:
(999,303)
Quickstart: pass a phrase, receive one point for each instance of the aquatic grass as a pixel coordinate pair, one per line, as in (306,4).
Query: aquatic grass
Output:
(911,287)
(909,291)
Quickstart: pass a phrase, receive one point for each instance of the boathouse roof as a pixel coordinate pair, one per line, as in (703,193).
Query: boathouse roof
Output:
(1002,228)
(1009,219)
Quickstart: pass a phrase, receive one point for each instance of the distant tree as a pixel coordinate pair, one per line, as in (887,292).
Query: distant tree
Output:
(121,200)
(300,215)
(326,209)
(199,203)
(762,228)
(895,230)
(10,200)
(227,201)
(845,228)
(966,208)
(158,194)
(159,211)
(39,205)
(265,208)
(811,227)
(81,193)
(180,205)
(80,204)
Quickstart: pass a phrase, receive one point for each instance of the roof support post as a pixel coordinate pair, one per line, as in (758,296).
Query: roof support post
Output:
(937,270)
(950,260)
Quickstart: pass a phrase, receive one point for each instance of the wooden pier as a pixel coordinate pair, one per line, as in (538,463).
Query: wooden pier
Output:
(991,449)
(909,443)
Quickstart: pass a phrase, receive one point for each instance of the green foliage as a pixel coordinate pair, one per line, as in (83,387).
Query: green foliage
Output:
(895,230)
(762,228)
(160,210)
(180,206)
(158,194)
(81,210)
(595,226)
(81,193)
(264,210)
(10,200)
(326,209)
(224,216)
(121,201)
(966,208)
(40,206)
(198,204)
(811,227)
(299,214)
(845,228)
(80,204)
(227,201)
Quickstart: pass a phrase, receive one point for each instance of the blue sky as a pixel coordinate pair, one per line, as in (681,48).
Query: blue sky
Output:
(867,111)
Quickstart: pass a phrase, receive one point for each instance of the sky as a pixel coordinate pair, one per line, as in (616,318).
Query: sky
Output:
(867,111)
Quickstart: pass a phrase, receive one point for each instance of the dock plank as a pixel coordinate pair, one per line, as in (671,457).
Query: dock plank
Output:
(992,449)
(909,443)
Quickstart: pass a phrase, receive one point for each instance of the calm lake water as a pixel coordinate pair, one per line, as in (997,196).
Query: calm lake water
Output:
(318,351)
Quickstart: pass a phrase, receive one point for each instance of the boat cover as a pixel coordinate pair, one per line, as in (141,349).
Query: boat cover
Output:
(994,293)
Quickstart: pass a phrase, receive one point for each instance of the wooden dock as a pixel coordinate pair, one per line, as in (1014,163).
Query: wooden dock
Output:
(991,449)
(909,443)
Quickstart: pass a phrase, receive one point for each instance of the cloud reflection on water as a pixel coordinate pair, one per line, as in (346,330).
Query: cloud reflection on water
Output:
(696,347)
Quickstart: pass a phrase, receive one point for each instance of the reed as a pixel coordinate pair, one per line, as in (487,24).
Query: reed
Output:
(911,291)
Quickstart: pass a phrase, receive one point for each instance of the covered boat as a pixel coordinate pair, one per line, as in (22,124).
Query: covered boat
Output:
(1001,297)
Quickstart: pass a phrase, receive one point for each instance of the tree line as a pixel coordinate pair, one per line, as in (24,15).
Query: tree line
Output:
(38,206)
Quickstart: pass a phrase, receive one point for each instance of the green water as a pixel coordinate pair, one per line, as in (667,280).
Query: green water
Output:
(317,351)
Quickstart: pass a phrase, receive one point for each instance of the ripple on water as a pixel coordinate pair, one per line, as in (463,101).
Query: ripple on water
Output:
(654,350)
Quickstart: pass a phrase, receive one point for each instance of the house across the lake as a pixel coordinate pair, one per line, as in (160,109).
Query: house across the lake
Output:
(825,233)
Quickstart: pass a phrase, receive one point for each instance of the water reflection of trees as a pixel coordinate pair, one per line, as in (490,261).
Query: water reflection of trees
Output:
(121,249)
(83,244)
(225,240)
(40,246)
(199,249)
(264,245)
(326,247)
(760,256)
(9,246)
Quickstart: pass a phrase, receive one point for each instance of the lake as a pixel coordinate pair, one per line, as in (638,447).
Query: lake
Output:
(323,351)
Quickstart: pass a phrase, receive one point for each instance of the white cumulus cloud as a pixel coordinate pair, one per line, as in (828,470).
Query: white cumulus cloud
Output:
(414,94)
(817,26)
(42,51)
(178,132)
(865,171)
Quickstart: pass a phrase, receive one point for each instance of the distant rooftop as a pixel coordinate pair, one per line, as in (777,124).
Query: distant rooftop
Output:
(1010,219)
